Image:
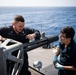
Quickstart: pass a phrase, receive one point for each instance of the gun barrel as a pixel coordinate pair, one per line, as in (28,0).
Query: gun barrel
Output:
(41,42)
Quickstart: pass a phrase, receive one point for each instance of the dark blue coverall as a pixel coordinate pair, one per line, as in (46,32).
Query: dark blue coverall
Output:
(68,58)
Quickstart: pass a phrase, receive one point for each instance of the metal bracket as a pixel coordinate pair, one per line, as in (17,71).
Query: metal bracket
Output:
(11,52)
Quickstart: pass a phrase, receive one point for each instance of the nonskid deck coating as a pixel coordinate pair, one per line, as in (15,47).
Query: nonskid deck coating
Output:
(46,57)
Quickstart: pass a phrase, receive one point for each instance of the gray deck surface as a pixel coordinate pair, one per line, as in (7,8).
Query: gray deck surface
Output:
(46,57)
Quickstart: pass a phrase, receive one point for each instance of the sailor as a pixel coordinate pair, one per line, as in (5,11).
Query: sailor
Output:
(22,34)
(67,50)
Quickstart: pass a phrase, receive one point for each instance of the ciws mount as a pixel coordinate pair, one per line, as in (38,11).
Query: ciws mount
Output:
(11,53)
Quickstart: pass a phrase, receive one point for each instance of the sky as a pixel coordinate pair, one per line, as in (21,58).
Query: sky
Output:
(34,3)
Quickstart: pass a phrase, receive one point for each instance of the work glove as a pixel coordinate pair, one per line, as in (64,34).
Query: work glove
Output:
(59,66)
(55,60)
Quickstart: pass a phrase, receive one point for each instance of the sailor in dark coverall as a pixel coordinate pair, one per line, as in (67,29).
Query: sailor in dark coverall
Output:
(67,51)
(21,34)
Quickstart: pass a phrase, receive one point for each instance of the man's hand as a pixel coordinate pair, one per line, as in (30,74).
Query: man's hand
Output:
(30,36)
(1,38)
(58,66)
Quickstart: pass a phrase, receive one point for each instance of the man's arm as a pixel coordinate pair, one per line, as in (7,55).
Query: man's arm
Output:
(2,38)
(55,60)
(33,34)
(37,34)
(69,68)
(61,67)
(58,51)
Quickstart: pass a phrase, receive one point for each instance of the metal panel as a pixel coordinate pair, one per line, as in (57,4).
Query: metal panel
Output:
(11,53)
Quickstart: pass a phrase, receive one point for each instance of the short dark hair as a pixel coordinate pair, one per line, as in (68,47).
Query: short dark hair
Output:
(19,18)
(68,31)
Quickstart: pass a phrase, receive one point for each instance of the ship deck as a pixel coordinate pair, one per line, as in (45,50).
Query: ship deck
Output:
(46,57)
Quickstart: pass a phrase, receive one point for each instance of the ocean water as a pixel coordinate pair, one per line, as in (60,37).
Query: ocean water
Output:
(46,19)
